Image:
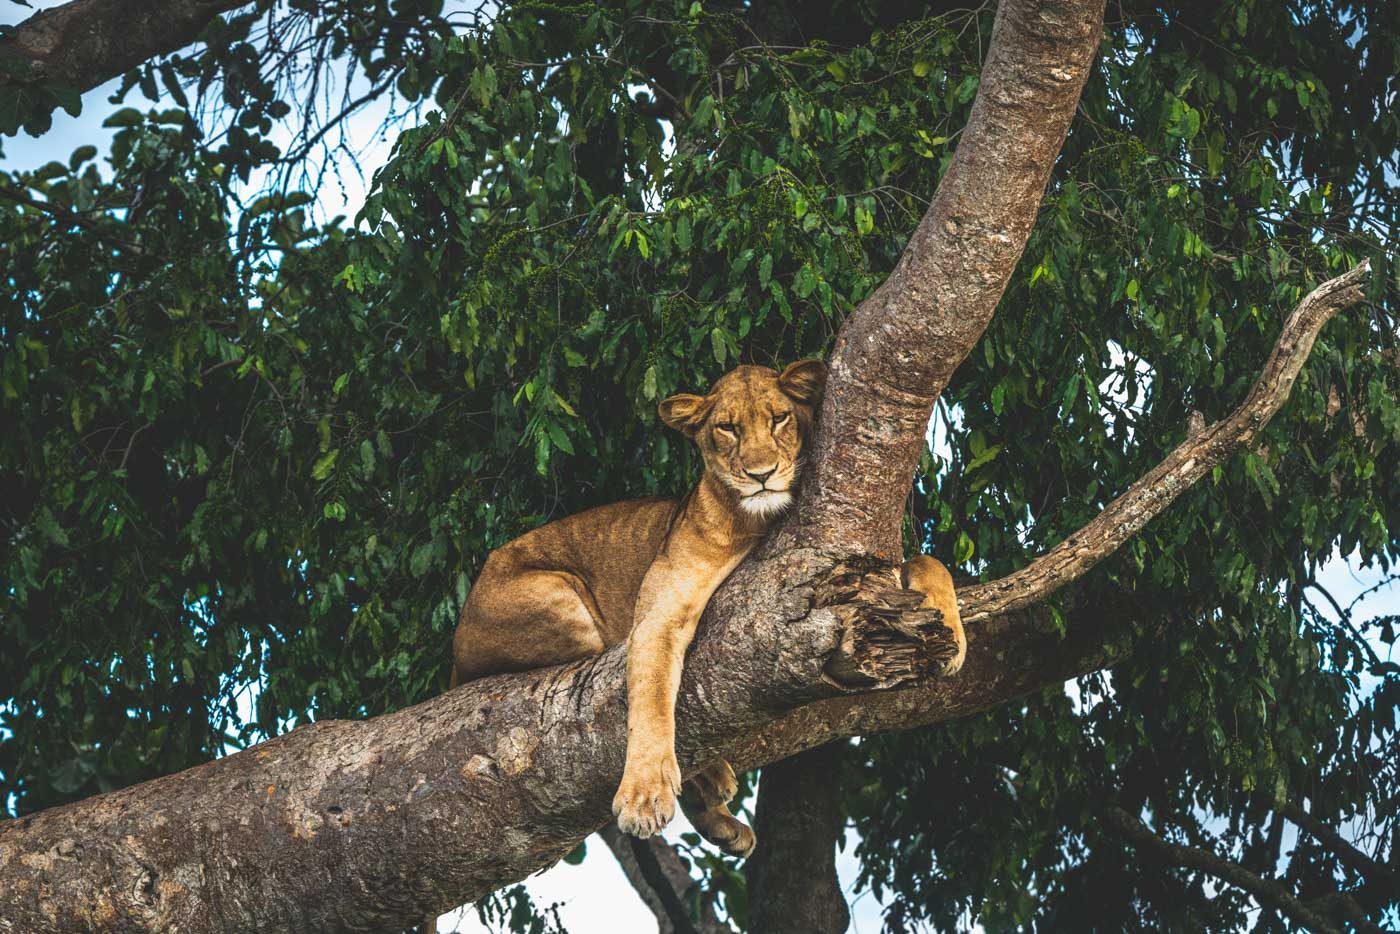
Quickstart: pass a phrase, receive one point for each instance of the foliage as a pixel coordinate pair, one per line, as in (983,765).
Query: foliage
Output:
(247,453)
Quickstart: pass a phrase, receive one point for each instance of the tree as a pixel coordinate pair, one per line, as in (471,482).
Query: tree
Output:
(249,449)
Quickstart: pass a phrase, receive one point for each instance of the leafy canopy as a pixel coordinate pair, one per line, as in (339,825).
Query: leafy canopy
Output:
(249,452)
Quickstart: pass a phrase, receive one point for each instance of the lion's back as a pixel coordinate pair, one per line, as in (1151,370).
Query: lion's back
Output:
(608,548)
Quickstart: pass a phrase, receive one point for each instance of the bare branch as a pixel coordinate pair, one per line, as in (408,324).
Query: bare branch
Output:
(1266,891)
(1352,857)
(661,879)
(65,216)
(1204,449)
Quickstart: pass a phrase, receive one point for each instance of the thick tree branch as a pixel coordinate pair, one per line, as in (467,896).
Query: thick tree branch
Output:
(1266,891)
(83,43)
(1203,450)
(896,352)
(369,825)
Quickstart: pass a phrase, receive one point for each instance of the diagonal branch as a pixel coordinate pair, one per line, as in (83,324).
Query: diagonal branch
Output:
(1203,450)
(1003,608)
(1266,891)
(1359,862)
(663,882)
(897,351)
(80,44)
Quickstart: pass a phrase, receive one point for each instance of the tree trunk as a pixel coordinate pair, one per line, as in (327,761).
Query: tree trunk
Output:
(793,888)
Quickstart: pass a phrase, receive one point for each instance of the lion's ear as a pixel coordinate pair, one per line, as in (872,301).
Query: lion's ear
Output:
(804,381)
(684,412)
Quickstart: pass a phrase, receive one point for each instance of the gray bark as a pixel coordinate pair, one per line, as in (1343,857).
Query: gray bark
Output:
(83,43)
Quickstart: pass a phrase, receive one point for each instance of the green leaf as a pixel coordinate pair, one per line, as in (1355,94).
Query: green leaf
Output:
(127,116)
(717,345)
(864,221)
(421,559)
(559,439)
(324,465)
(805,282)
(80,155)
(649,383)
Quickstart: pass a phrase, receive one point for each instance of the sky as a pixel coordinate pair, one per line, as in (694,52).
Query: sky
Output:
(593,897)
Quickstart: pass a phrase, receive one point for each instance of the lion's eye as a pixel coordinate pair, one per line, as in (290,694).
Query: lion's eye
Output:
(780,418)
(726,427)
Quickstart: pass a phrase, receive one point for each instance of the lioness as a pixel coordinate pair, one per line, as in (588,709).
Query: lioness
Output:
(644,569)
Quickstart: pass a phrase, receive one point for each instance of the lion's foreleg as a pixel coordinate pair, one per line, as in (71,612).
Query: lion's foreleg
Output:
(666,621)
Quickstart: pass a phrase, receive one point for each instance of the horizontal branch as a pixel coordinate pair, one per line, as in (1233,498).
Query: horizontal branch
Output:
(1204,449)
(490,771)
(369,825)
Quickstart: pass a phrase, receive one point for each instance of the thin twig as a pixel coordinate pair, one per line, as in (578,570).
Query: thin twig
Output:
(64,214)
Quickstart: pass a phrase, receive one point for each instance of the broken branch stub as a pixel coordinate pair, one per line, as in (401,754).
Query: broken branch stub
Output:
(887,639)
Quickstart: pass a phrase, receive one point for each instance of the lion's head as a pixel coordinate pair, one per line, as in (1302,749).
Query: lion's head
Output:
(750,428)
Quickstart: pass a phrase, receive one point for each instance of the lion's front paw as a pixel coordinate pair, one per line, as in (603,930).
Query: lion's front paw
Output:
(646,799)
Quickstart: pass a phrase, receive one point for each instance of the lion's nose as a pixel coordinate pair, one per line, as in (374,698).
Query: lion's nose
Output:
(761,476)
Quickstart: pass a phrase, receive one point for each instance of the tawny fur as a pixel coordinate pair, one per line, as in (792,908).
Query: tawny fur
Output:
(643,571)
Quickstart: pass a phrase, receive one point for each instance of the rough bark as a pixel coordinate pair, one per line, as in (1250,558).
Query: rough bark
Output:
(83,43)
(369,825)
(897,351)
(792,880)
